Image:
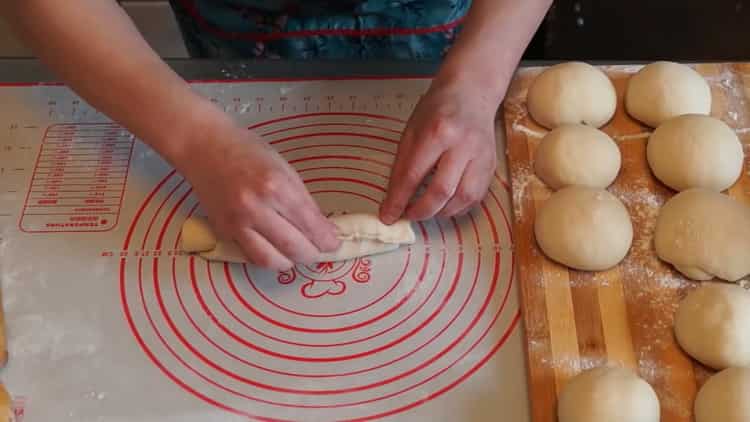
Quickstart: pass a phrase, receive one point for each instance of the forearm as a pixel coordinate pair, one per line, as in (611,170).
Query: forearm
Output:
(95,48)
(494,37)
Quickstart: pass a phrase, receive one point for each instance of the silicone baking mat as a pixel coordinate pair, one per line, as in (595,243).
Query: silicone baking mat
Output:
(107,321)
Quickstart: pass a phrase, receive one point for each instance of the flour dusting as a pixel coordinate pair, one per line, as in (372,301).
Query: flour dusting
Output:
(635,136)
(528,131)
(525,182)
(652,289)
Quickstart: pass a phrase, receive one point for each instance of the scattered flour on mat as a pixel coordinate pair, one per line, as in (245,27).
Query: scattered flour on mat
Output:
(38,336)
(31,334)
(95,395)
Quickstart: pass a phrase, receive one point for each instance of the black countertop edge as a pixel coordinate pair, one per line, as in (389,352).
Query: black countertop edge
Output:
(23,71)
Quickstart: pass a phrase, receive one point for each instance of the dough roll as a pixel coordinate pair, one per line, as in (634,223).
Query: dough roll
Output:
(361,235)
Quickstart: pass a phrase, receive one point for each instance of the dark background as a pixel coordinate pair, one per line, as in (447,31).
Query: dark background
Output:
(641,30)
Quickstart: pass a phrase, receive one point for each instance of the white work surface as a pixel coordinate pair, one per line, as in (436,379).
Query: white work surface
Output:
(106,321)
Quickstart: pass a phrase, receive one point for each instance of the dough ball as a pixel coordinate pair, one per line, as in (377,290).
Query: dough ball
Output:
(704,234)
(572,92)
(577,155)
(724,397)
(608,394)
(712,325)
(695,151)
(584,228)
(662,90)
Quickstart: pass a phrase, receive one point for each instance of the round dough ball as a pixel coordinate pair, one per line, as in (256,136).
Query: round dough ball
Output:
(704,234)
(712,325)
(572,92)
(577,155)
(695,151)
(584,228)
(724,397)
(662,90)
(608,394)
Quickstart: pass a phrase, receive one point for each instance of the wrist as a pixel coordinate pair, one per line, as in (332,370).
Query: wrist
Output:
(476,79)
(203,124)
(471,86)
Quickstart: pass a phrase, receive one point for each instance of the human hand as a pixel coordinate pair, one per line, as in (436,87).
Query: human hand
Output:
(253,197)
(452,132)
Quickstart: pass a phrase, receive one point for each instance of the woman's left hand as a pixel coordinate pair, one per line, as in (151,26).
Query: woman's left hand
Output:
(452,132)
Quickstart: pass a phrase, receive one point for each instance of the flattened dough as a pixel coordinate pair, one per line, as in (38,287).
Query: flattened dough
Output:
(662,90)
(361,235)
(704,234)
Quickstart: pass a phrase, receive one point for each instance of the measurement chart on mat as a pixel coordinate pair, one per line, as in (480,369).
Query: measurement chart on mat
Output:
(430,331)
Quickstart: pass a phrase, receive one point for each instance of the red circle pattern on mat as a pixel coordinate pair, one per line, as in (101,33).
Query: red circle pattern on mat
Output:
(358,340)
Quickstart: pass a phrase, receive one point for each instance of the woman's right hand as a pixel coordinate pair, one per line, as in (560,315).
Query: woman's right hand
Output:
(251,195)
(255,198)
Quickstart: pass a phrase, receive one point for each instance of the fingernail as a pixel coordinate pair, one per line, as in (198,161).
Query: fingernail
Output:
(331,243)
(285,266)
(388,216)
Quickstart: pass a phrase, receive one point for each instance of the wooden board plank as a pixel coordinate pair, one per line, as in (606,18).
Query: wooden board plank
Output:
(577,320)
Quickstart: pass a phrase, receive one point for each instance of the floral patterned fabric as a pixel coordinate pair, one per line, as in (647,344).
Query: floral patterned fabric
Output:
(324,29)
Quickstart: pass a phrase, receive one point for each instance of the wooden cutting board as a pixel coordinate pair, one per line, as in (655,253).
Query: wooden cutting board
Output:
(577,320)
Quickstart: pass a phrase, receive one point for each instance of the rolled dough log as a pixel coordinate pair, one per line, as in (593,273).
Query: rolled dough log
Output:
(704,234)
(361,235)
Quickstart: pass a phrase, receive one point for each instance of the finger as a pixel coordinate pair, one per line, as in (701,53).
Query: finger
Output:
(285,237)
(386,207)
(471,190)
(410,169)
(441,188)
(467,210)
(259,251)
(304,214)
